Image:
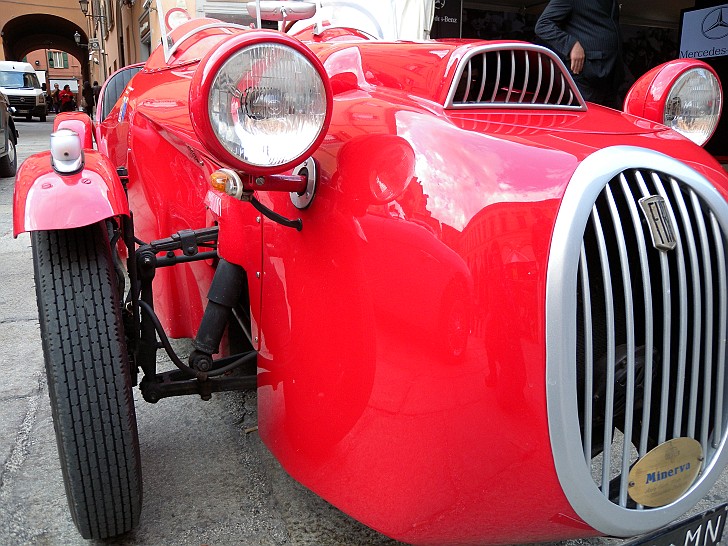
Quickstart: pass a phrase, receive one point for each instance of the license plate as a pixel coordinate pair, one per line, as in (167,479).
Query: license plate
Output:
(704,529)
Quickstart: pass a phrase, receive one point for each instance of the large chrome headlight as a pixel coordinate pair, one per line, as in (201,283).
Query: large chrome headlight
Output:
(693,106)
(684,94)
(260,102)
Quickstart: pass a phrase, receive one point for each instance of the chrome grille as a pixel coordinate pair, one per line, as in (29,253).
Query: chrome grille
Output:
(636,331)
(651,328)
(23,102)
(513,76)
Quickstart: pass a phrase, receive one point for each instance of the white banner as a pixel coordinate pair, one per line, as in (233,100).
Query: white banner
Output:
(704,33)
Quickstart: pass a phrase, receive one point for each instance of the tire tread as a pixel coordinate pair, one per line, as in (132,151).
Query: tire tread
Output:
(89,379)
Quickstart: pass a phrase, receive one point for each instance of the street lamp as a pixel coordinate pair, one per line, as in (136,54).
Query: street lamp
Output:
(84,5)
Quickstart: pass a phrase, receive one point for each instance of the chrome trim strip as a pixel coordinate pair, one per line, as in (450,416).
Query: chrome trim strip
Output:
(574,474)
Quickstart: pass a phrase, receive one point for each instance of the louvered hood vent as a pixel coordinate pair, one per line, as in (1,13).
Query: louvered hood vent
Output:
(513,76)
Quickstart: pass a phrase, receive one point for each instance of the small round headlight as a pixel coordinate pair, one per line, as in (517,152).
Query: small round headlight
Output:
(693,105)
(265,102)
(684,94)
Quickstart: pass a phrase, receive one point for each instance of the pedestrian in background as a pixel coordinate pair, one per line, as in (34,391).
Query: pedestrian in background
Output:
(88,98)
(68,104)
(97,91)
(55,97)
(586,34)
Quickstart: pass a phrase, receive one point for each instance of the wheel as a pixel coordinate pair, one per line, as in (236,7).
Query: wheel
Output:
(89,380)
(9,162)
(28,117)
(43,117)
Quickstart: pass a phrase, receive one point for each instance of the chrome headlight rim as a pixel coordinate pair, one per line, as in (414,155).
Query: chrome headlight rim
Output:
(674,101)
(202,85)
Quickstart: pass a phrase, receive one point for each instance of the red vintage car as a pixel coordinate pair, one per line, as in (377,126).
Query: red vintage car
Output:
(475,308)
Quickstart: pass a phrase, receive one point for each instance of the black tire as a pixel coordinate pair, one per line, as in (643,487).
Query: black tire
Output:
(43,117)
(89,380)
(9,162)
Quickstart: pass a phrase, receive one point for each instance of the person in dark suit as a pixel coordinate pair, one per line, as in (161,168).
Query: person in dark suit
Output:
(585,33)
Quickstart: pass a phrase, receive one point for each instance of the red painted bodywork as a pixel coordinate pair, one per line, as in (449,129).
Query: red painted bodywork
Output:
(46,200)
(79,123)
(401,333)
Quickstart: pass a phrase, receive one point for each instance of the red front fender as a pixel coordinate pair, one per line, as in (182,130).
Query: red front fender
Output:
(46,200)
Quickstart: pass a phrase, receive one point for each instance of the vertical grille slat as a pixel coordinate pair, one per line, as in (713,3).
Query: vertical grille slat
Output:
(610,362)
(469,79)
(496,85)
(631,347)
(683,311)
(697,312)
(648,305)
(509,92)
(539,79)
(552,77)
(563,90)
(526,72)
(589,360)
(723,314)
(485,77)
(708,330)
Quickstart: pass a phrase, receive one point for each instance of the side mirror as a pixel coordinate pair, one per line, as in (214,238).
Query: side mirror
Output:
(282,10)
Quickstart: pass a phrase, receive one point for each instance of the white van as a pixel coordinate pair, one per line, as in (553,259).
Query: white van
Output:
(20,83)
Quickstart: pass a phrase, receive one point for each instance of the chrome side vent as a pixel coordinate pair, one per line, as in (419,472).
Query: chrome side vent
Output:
(513,76)
(637,307)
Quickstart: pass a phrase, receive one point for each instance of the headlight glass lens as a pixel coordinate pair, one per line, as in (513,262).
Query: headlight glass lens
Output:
(267,104)
(693,105)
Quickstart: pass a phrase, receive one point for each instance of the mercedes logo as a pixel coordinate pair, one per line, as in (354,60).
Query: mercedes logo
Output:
(439,4)
(715,24)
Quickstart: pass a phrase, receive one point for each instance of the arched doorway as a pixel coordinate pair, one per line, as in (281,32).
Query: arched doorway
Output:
(27,33)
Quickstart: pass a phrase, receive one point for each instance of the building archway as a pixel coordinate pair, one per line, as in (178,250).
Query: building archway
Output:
(27,33)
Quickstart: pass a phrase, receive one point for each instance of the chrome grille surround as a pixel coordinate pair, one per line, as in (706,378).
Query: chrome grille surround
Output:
(679,310)
(513,75)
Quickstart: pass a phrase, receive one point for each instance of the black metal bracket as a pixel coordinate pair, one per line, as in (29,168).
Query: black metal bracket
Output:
(296,224)
(143,264)
(179,383)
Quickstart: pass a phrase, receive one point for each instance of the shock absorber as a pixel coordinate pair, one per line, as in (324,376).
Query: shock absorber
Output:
(225,292)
